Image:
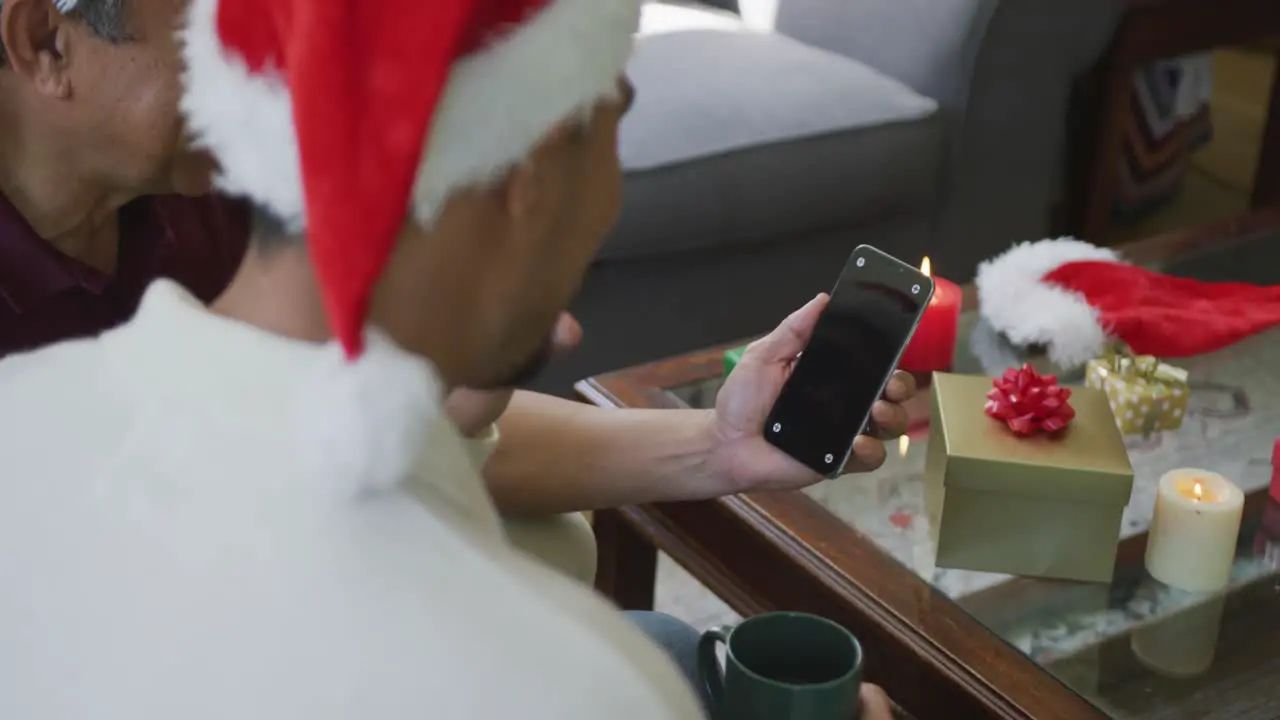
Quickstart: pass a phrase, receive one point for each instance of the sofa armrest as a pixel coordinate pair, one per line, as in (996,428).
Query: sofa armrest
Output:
(730,5)
(1002,72)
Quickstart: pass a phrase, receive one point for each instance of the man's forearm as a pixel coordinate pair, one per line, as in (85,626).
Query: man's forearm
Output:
(559,456)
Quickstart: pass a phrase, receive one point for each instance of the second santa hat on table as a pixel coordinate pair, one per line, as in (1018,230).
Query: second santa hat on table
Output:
(1074,299)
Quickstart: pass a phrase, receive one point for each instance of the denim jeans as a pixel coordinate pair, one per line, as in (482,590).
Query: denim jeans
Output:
(681,643)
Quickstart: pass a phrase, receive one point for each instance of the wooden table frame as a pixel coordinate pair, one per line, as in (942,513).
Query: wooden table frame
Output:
(767,551)
(1154,30)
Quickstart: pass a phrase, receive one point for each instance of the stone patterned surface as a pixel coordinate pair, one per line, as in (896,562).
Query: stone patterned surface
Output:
(1232,420)
(679,594)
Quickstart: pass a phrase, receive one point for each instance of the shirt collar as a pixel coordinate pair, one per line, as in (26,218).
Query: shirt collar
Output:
(251,381)
(30,268)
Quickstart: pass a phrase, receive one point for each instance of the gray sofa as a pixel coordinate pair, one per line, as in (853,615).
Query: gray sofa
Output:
(765,145)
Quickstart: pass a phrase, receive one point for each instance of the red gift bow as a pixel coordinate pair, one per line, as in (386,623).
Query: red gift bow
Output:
(1029,402)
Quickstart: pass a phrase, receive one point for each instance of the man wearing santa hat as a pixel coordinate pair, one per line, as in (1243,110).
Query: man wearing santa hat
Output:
(236,515)
(555,456)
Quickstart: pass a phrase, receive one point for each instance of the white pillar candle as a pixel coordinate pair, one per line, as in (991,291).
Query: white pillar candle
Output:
(1192,541)
(1183,644)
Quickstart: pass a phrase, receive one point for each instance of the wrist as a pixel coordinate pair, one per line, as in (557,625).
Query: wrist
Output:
(717,476)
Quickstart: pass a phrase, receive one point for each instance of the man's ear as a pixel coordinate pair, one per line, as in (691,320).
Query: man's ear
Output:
(35,37)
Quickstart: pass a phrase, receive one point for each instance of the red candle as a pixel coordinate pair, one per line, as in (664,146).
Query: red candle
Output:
(934,343)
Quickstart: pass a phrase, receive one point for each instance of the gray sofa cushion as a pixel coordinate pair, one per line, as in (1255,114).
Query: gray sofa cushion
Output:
(742,136)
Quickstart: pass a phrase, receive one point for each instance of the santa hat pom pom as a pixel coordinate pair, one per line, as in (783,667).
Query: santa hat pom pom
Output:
(363,423)
(1015,300)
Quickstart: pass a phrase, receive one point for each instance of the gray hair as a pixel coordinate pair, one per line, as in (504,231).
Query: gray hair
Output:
(106,18)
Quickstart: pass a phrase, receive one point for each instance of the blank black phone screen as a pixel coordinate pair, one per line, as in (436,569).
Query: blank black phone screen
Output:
(855,346)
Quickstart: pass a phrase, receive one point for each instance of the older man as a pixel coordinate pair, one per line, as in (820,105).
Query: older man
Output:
(229,515)
(88,125)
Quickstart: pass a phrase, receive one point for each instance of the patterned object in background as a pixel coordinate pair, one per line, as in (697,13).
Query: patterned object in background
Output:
(1169,121)
(1143,399)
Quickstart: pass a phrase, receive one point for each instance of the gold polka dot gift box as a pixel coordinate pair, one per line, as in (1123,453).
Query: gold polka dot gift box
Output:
(1147,395)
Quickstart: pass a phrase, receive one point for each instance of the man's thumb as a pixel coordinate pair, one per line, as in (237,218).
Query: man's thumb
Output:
(790,337)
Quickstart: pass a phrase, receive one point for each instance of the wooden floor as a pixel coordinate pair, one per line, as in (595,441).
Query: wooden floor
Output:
(1221,179)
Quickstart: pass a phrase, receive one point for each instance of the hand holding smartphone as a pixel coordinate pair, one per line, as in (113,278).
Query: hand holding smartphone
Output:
(826,403)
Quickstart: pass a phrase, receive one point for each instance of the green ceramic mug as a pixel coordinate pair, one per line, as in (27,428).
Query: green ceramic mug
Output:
(782,666)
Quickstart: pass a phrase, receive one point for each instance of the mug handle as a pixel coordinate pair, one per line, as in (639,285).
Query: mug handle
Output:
(709,669)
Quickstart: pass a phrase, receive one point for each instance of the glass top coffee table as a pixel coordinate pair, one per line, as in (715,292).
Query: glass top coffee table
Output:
(955,643)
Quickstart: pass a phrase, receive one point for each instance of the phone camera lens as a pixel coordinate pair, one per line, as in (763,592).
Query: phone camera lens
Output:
(777,427)
(915,289)
(862,261)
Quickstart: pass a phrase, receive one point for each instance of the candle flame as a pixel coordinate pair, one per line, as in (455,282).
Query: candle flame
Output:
(1198,490)
(926,267)
(904,442)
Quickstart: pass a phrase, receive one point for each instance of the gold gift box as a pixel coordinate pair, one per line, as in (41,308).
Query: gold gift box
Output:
(1041,506)
(1146,395)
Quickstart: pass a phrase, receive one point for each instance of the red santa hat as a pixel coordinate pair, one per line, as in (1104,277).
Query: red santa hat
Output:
(343,116)
(347,117)
(1073,299)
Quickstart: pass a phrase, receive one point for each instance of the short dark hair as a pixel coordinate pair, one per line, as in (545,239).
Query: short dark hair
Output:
(106,18)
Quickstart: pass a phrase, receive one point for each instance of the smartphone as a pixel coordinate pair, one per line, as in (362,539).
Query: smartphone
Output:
(826,402)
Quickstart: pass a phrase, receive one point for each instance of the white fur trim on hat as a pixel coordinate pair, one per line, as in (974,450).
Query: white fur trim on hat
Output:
(363,425)
(497,105)
(1015,300)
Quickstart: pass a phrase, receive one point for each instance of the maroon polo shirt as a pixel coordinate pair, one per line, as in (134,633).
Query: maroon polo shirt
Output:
(46,296)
